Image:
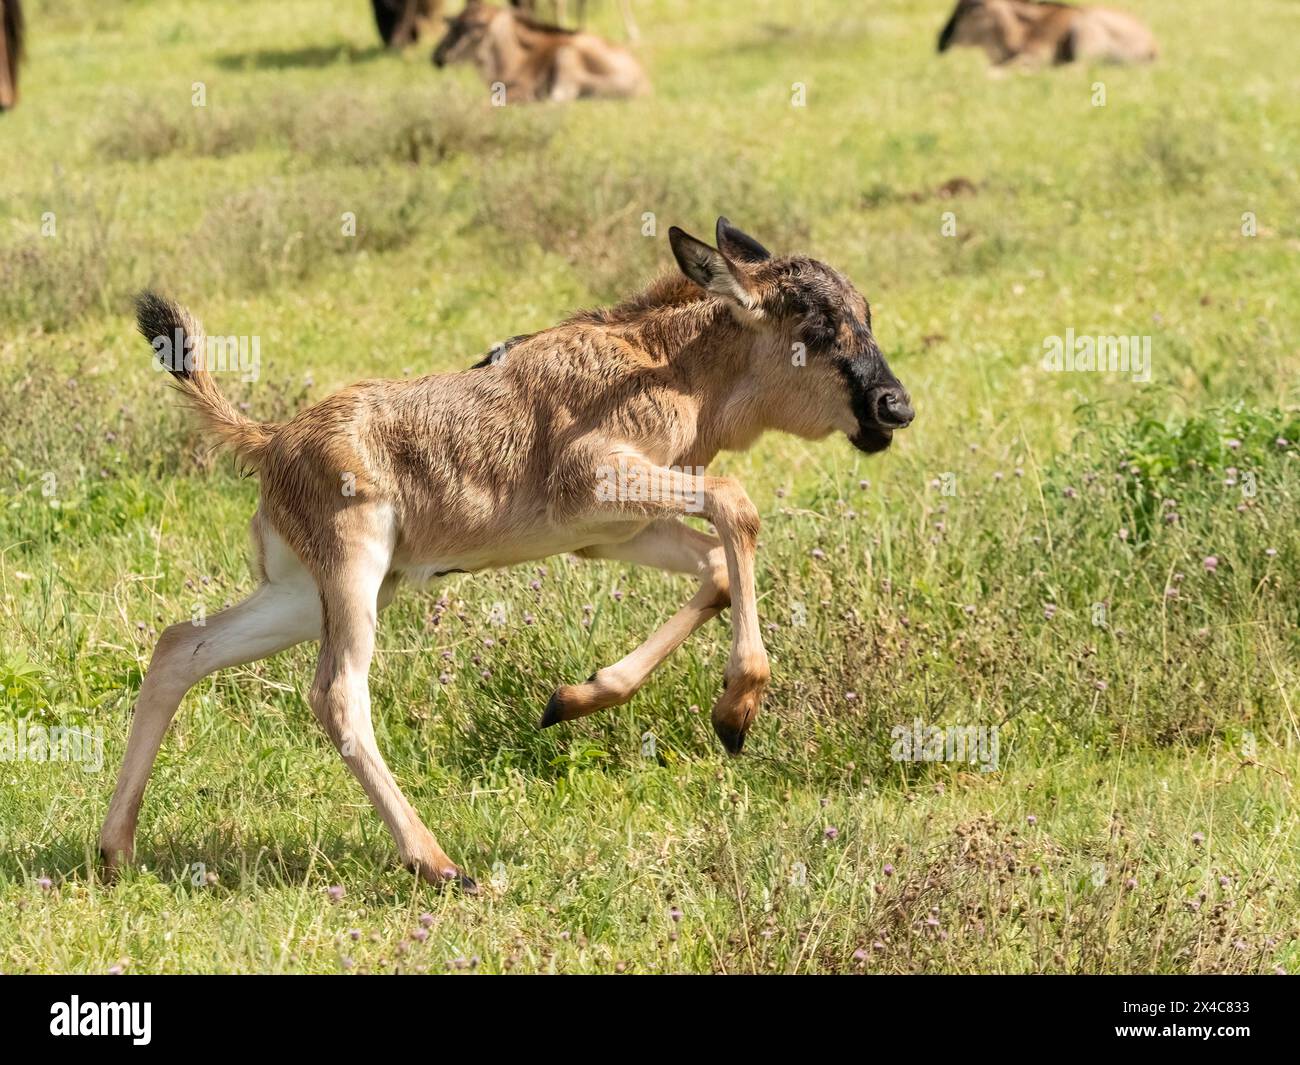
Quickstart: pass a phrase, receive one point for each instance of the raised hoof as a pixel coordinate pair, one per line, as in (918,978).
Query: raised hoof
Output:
(554,712)
(570,701)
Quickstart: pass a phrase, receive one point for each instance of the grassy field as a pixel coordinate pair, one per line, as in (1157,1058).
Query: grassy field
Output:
(1103,568)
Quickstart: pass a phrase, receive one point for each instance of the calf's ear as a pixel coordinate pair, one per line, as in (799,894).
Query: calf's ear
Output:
(710,269)
(738,245)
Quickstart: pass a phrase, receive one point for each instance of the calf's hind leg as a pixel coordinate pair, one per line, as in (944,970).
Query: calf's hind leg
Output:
(340,698)
(276,616)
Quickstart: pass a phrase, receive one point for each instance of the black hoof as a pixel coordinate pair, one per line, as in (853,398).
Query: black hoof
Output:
(732,738)
(450,878)
(552,714)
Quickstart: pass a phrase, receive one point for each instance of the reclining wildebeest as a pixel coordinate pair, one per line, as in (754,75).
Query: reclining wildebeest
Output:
(11,51)
(535,61)
(584,438)
(1037,34)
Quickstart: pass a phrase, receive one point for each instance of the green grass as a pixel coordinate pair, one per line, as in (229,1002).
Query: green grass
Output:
(1010,562)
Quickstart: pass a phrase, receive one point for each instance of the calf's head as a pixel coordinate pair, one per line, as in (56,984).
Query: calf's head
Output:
(813,361)
(971,23)
(464,33)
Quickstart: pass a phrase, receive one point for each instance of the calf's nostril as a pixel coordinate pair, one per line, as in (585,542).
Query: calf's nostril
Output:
(893,410)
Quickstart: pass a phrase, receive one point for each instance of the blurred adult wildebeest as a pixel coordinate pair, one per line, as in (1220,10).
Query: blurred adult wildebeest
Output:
(558,10)
(1037,34)
(403,22)
(11,51)
(537,61)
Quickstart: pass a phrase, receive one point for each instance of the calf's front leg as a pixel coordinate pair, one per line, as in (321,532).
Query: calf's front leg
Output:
(669,545)
(724,502)
(747,674)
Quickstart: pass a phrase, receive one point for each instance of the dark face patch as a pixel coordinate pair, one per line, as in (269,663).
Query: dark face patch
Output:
(833,320)
(949,31)
(462,32)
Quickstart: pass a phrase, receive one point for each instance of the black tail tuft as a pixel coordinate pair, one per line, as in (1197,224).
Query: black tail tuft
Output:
(168,329)
(179,345)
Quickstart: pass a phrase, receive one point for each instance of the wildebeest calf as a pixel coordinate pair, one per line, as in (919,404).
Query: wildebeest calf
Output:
(589,437)
(536,61)
(1018,31)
